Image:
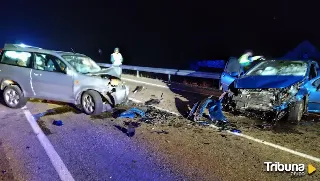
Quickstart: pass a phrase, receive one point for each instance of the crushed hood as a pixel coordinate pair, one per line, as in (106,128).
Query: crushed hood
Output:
(112,71)
(263,82)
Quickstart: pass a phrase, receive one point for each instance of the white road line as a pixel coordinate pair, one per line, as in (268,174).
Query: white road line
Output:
(162,86)
(249,137)
(55,159)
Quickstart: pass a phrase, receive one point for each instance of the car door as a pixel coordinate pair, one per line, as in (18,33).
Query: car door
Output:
(16,66)
(50,79)
(313,87)
(231,72)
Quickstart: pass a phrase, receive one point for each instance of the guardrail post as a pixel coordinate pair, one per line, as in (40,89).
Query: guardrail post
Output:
(169,77)
(138,75)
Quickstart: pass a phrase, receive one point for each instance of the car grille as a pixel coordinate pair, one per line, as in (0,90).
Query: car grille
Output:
(253,99)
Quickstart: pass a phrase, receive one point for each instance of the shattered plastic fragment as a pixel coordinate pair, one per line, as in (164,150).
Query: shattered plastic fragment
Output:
(204,106)
(200,108)
(39,115)
(138,111)
(131,130)
(131,113)
(152,101)
(57,122)
(195,106)
(215,112)
(127,114)
(235,131)
(138,89)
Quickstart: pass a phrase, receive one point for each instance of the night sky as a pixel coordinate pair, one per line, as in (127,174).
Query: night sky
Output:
(162,33)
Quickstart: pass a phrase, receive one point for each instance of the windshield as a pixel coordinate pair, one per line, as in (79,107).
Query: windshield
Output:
(82,64)
(295,68)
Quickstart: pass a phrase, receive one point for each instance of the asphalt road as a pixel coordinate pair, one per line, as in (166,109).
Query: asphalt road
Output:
(86,148)
(89,150)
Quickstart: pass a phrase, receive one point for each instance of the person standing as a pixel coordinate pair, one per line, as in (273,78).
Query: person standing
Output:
(247,58)
(116,60)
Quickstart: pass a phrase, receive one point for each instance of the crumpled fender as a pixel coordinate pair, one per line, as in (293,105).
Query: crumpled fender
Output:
(301,94)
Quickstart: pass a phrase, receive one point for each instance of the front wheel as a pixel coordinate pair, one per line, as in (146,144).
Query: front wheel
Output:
(13,97)
(296,111)
(92,103)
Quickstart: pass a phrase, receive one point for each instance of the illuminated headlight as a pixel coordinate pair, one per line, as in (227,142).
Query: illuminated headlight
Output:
(114,82)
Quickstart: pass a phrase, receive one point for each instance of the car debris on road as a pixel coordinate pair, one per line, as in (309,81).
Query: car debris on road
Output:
(132,112)
(215,109)
(153,101)
(57,122)
(39,115)
(138,89)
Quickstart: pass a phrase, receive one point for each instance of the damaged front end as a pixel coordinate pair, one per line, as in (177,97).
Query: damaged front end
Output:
(116,91)
(265,100)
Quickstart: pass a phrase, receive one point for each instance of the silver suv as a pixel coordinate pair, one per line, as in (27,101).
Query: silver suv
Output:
(31,72)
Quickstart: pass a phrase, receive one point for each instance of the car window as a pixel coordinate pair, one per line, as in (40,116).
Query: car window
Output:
(21,59)
(48,63)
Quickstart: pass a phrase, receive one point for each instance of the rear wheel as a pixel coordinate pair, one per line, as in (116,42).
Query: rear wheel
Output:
(92,103)
(13,97)
(296,111)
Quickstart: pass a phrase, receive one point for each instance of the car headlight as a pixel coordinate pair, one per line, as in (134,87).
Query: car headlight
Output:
(114,82)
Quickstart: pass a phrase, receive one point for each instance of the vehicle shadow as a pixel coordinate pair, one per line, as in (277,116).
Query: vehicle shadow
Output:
(187,99)
(64,107)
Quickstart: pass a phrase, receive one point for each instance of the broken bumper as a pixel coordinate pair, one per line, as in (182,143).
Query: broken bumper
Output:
(120,94)
(258,101)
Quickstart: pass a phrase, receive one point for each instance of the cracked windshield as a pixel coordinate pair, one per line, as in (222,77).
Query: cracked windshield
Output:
(295,68)
(82,64)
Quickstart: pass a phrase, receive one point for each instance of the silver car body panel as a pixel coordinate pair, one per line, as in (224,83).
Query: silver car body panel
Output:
(8,72)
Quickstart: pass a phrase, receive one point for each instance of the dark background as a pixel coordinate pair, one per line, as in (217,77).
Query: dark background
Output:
(162,33)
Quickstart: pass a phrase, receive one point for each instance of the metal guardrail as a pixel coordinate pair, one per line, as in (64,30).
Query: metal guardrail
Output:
(169,72)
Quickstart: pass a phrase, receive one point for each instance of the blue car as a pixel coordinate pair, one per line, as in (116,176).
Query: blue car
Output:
(286,87)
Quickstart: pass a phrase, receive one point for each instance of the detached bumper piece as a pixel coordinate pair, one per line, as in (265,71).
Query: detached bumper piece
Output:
(215,110)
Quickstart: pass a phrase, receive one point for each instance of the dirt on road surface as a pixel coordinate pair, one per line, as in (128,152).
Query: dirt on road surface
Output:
(174,144)
(199,153)
(5,168)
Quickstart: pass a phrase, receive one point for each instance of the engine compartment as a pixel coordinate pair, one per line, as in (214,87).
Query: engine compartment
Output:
(264,99)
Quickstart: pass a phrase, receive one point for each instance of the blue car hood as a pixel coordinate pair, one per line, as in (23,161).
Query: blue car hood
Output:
(263,82)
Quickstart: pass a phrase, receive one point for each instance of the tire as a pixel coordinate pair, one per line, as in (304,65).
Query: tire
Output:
(91,102)
(295,111)
(13,97)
